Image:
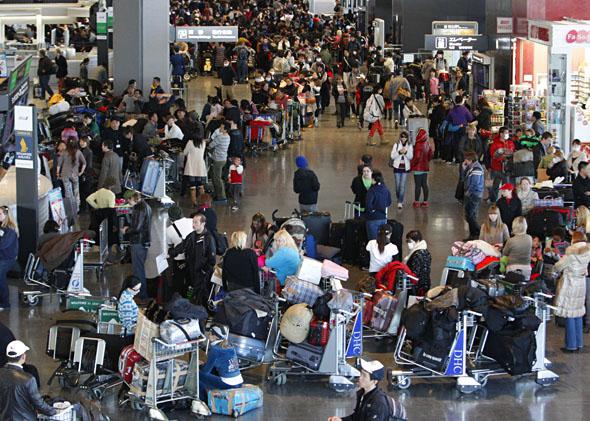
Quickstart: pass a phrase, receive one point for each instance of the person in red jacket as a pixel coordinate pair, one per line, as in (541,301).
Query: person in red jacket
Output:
(420,165)
(502,147)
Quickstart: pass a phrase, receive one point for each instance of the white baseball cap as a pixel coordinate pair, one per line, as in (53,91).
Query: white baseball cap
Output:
(374,368)
(16,349)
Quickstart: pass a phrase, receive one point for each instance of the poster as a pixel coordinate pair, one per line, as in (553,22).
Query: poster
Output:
(58,212)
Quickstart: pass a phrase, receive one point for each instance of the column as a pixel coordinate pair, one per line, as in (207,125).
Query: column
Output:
(141,43)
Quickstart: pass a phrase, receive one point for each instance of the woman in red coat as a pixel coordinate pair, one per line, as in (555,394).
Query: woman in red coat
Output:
(420,165)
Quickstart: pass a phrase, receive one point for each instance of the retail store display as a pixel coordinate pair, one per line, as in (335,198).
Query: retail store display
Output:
(496,98)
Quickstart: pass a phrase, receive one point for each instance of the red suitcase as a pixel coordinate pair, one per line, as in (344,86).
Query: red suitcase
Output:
(319,333)
(127,360)
(384,305)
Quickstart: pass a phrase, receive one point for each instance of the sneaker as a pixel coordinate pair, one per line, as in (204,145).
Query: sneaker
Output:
(400,205)
(424,204)
(416,204)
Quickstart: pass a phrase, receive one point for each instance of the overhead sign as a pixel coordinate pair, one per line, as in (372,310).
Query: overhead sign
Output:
(571,36)
(207,33)
(504,25)
(455,43)
(455,27)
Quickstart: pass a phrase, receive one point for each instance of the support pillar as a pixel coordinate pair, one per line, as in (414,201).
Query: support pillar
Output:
(141,43)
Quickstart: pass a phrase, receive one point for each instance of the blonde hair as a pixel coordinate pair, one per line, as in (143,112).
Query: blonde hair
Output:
(583,218)
(283,239)
(238,240)
(519,225)
(8,221)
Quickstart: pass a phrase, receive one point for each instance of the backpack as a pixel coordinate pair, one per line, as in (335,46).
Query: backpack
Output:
(396,411)
(243,54)
(221,243)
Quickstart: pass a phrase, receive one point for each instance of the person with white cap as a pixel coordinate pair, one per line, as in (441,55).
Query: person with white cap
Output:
(20,399)
(371,402)
(222,370)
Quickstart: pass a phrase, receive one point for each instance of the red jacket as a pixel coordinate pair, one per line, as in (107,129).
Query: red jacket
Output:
(386,277)
(496,159)
(422,156)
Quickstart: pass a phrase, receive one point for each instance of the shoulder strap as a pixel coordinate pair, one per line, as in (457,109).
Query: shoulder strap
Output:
(177,230)
(179,326)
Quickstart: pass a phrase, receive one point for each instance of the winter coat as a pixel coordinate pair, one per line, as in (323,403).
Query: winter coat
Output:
(498,151)
(139,231)
(110,167)
(419,261)
(398,158)
(571,288)
(374,108)
(474,145)
(378,200)
(307,186)
(195,160)
(59,248)
(422,156)
(359,190)
(527,199)
(474,180)
(484,118)
(509,210)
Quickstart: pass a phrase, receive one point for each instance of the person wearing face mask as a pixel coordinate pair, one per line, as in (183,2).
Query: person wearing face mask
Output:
(502,147)
(576,156)
(509,204)
(361,185)
(127,308)
(526,195)
(400,160)
(419,259)
(493,230)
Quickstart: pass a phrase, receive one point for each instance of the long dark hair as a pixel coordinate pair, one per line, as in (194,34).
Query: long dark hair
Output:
(383,237)
(259,217)
(72,149)
(129,282)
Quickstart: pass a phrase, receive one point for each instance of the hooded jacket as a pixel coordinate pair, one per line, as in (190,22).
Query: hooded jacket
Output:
(422,156)
(306,185)
(474,180)
(378,200)
(571,288)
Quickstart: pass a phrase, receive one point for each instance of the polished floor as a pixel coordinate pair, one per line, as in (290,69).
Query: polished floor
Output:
(334,153)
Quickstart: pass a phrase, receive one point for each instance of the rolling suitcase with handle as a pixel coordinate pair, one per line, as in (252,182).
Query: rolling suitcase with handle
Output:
(383,309)
(307,355)
(318,225)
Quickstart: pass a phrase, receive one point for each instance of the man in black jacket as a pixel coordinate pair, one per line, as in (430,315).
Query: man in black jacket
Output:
(371,402)
(306,185)
(199,251)
(228,78)
(140,149)
(19,396)
(581,185)
(540,149)
(138,232)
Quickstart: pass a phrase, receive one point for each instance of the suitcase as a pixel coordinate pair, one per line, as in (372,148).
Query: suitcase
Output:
(433,360)
(367,312)
(460,263)
(246,313)
(249,349)
(319,333)
(542,221)
(566,191)
(318,225)
(336,238)
(491,287)
(127,360)
(235,402)
(383,309)
(307,355)
(355,241)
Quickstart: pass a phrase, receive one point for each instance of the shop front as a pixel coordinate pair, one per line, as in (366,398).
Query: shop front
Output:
(552,75)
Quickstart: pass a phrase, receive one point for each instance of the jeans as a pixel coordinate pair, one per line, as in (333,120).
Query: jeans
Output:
(499,178)
(208,381)
(235,191)
(44,82)
(421,185)
(242,70)
(573,333)
(5,266)
(217,169)
(471,205)
(308,208)
(373,228)
(398,107)
(138,256)
(400,186)
(342,109)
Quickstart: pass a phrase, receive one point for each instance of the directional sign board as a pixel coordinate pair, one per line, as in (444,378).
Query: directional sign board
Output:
(207,33)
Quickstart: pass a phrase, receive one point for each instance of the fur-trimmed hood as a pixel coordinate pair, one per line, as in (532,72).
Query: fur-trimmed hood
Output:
(578,249)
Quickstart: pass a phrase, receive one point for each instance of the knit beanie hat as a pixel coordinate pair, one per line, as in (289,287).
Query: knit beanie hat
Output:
(301,162)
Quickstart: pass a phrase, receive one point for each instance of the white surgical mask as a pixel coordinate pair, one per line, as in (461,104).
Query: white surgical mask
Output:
(506,136)
(411,245)
(493,217)
(576,148)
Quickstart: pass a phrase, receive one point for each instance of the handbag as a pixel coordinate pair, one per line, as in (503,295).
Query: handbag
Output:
(403,92)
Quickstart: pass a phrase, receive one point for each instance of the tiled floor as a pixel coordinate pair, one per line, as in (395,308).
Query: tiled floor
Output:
(333,153)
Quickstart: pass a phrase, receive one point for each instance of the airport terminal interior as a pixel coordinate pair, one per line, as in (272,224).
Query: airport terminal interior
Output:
(294,209)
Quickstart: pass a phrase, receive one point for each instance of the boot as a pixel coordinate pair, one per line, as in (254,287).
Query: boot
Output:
(194,197)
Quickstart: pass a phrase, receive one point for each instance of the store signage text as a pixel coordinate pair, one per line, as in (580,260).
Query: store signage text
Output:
(471,42)
(207,33)
(577,37)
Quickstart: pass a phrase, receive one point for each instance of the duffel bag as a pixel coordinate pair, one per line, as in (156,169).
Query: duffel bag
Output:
(178,331)
(514,351)
(415,319)
(471,298)
(295,323)
(246,313)
(181,308)
(297,291)
(320,308)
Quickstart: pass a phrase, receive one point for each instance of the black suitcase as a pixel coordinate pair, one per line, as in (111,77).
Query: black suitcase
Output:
(318,225)
(514,351)
(355,240)
(307,355)
(566,191)
(542,221)
(336,234)
(397,236)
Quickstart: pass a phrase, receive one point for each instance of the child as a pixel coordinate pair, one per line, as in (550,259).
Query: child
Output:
(433,83)
(556,246)
(236,171)
(536,251)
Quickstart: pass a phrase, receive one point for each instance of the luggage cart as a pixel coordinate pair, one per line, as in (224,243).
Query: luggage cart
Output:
(293,123)
(454,367)
(345,341)
(152,398)
(255,132)
(485,367)
(35,276)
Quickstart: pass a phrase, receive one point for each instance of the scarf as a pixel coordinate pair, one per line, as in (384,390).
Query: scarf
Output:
(420,245)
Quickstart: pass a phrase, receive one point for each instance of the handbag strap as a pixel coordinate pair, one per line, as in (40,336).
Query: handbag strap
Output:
(177,230)
(179,326)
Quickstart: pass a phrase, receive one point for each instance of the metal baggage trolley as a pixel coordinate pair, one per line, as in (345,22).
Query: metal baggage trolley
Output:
(345,341)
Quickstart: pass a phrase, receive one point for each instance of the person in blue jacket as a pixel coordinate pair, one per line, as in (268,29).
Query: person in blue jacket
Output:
(378,200)
(222,369)
(127,307)
(8,252)
(286,259)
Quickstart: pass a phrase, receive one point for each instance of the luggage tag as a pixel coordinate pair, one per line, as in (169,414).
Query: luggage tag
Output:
(260,314)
